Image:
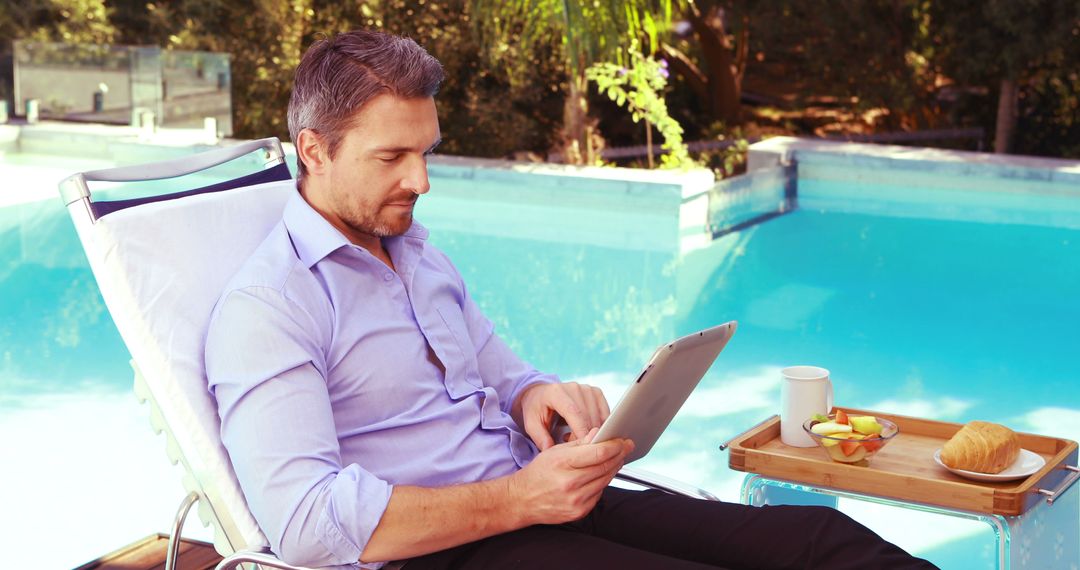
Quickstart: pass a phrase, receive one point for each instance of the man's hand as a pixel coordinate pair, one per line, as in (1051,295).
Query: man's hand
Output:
(565,481)
(582,407)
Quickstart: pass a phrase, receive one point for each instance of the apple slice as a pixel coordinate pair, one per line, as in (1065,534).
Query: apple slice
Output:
(865,424)
(828,428)
(834,439)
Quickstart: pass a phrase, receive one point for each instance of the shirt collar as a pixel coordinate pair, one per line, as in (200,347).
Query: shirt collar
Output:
(315,238)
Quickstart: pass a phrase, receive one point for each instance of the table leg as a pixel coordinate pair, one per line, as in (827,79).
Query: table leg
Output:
(1048,535)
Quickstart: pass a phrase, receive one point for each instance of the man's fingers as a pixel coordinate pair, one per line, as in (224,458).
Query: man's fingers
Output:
(591,401)
(597,405)
(588,405)
(567,405)
(590,455)
(581,407)
(605,411)
(597,485)
(539,433)
(598,477)
(571,438)
(611,465)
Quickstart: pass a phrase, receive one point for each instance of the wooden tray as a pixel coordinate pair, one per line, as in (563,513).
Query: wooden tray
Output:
(905,468)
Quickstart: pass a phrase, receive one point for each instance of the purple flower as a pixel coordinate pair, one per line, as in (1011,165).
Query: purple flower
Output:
(663,63)
(622,71)
(664,72)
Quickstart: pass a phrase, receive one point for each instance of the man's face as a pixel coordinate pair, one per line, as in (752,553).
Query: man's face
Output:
(380,169)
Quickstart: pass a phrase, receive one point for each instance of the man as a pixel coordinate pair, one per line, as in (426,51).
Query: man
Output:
(370,412)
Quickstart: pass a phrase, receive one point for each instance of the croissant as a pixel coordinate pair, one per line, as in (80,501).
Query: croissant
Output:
(983,447)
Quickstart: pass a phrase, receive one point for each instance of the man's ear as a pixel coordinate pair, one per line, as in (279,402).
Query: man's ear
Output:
(312,150)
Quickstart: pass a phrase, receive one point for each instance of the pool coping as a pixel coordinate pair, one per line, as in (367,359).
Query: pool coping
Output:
(112,141)
(672,202)
(784,150)
(919,182)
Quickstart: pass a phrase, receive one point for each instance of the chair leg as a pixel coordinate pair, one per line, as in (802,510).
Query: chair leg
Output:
(178,525)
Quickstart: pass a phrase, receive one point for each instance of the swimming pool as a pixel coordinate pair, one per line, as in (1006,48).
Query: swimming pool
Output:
(955,319)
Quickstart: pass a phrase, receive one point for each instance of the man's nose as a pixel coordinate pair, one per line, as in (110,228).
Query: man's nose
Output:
(417,179)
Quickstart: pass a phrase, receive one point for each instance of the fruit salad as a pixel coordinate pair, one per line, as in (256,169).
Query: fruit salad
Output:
(849,438)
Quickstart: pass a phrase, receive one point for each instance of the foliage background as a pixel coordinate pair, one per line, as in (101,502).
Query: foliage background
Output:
(804,67)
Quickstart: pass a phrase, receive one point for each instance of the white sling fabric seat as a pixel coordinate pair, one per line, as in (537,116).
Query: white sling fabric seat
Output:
(161,266)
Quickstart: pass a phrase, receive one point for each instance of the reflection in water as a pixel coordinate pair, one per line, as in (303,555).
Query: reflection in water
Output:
(898,309)
(555,302)
(80,308)
(54,333)
(633,324)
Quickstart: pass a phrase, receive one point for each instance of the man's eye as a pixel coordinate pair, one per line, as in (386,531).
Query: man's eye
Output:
(390,158)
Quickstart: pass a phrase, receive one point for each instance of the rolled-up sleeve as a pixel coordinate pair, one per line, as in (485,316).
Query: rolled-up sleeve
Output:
(266,370)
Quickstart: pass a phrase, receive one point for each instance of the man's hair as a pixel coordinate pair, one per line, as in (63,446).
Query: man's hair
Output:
(337,76)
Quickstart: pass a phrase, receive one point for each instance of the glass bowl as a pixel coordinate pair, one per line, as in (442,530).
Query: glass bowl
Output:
(855,447)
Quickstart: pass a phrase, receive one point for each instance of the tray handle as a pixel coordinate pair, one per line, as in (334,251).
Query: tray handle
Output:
(727,444)
(1067,482)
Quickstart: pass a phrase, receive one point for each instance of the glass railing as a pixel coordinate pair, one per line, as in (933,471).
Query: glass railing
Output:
(137,85)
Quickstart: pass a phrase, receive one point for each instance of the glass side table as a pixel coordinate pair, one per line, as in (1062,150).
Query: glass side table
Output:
(1046,536)
(1034,523)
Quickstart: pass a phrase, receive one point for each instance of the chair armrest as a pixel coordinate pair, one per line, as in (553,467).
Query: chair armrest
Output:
(268,560)
(250,556)
(665,484)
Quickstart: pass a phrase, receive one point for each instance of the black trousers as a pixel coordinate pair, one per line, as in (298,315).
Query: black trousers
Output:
(655,530)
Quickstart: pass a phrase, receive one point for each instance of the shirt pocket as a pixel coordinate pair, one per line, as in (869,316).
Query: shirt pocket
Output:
(462,369)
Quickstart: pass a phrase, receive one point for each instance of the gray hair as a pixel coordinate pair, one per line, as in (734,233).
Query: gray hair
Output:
(340,74)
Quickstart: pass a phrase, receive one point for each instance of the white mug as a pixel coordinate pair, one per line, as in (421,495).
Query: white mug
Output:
(804,391)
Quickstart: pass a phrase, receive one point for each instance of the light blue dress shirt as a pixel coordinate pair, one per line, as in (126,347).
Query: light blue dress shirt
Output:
(317,355)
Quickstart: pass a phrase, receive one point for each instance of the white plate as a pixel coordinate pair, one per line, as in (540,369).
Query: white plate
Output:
(1026,464)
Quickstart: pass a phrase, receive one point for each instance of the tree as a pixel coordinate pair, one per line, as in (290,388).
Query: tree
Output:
(1000,44)
(265,40)
(876,56)
(484,110)
(718,80)
(586,33)
(73,21)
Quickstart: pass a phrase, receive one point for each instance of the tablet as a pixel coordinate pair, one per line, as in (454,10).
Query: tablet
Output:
(662,386)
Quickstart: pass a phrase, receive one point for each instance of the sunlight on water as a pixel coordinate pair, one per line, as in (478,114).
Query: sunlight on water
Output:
(954,321)
(90,470)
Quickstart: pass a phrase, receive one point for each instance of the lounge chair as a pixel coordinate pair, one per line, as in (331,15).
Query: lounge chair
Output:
(161,263)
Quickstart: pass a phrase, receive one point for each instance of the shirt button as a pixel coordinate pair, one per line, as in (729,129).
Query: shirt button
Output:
(388,277)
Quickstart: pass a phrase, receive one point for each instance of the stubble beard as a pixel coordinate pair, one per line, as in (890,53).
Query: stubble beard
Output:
(366,220)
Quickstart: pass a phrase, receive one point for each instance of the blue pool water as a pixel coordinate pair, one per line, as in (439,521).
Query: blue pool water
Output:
(930,317)
(978,318)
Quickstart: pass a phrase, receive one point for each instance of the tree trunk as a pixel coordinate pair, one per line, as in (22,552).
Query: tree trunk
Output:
(719,63)
(577,148)
(1006,117)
